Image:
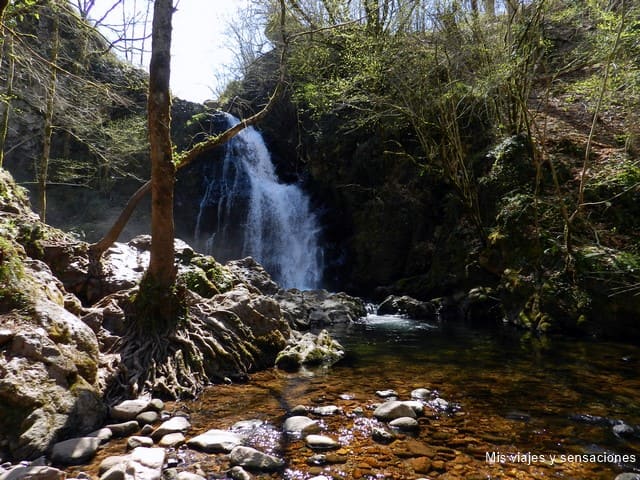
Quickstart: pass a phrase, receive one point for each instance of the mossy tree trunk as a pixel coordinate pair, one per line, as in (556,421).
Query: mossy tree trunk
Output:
(161,274)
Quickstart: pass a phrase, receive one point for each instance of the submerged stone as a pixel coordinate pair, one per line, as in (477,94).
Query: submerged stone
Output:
(393,409)
(214,441)
(254,459)
(321,442)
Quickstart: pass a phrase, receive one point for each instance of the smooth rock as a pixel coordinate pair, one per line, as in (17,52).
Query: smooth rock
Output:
(173,425)
(321,442)
(300,425)
(421,394)
(393,409)
(320,477)
(326,410)
(309,349)
(172,440)
(299,410)
(628,476)
(156,404)
(146,430)
(416,405)
(123,429)
(214,441)
(39,472)
(129,409)
(247,425)
(254,459)
(110,462)
(386,393)
(147,418)
(104,434)
(146,463)
(623,430)
(239,473)
(139,441)
(405,423)
(381,435)
(75,450)
(117,472)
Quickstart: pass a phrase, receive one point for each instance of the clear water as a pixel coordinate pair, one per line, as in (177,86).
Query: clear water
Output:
(247,211)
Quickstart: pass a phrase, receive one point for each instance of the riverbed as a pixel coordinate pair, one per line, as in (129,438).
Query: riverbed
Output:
(502,406)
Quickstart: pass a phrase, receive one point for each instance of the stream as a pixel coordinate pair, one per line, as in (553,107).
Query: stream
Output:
(502,406)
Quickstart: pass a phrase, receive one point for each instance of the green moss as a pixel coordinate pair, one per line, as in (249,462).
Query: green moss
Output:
(196,280)
(12,293)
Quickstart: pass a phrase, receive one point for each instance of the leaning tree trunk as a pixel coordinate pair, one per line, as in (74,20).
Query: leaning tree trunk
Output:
(162,272)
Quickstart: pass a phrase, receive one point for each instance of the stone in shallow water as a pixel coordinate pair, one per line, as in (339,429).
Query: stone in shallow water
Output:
(129,409)
(75,450)
(393,409)
(386,393)
(421,393)
(104,434)
(172,440)
(173,425)
(31,472)
(123,429)
(628,476)
(623,430)
(254,459)
(189,476)
(321,442)
(214,441)
(326,410)
(138,441)
(110,462)
(146,463)
(381,435)
(300,425)
(405,423)
(239,473)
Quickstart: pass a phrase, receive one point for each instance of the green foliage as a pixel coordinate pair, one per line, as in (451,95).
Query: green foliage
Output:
(219,277)
(12,294)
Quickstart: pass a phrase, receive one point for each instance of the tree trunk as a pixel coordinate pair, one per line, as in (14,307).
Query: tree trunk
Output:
(48,117)
(4,126)
(161,270)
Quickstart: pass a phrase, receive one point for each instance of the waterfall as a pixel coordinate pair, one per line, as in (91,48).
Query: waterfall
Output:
(247,211)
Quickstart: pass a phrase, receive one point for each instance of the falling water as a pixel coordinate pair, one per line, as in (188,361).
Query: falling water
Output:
(247,211)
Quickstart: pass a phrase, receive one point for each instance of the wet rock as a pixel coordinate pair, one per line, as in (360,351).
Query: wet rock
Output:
(309,349)
(623,430)
(317,459)
(147,418)
(326,410)
(216,441)
(139,441)
(628,476)
(104,434)
(172,440)
(321,442)
(117,472)
(156,404)
(420,464)
(299,410)
(405,423)
(386,393)
(129,409)
(31,472)
(393,409)
(300,425)
(320,477)
(110,462)
(247,425)
(146,463)
(591,419)
(319,308)
(239,473)
(381,435)
(123,429)
(421,394)
(75,450)
(173,425)
(146,430)
(415,405)
(254,459)
(405,305)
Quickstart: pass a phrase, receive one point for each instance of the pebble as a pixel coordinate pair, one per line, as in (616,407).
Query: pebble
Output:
(104,434)
(172,440)
(386,393)
(123,429)
(139,441)
(129,409)
(326,410)
(189,476)
(623,430)
(173,425)
(628,476)
(149,417)
(239,473)
(381,435)
(405,423)
(393,409)
(300,425)
(421,394)
(299,410)
(110,462)
(254,459)
(214,441)
(321,442)
(245,425)
(156,404)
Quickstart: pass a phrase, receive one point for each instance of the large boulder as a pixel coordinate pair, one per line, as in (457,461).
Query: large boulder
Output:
(405,305)
(309,349)
(318,308)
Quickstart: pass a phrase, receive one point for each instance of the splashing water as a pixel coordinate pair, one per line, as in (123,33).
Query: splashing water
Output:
(247,211)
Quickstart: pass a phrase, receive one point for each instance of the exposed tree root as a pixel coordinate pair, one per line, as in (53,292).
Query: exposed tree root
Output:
(199,351)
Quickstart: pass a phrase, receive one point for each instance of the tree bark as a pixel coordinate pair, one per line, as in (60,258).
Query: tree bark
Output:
(43,170)
(161,265)
(4,126)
